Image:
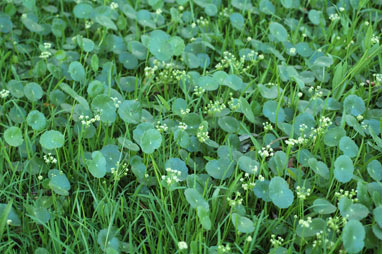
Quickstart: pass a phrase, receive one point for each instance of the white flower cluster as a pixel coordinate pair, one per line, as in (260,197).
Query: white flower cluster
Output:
(47,45)
(229,60)
(184,112)
(303,193)
(182,245)
(87,121)
(374,39)
(114,5)
(276,241)
(198,91)
(317,93)
(172,176)
(45,54)
(234,103)
(237,200)
(299,141)
(267,126)
(202,134)
(202,21)
(161,127)
(348,194)
(88,24)
(224,249)
(49,159)
(117,102)
(378,77)
(119,170)
(334,223)
(4,93)
(320,241)
(247,182)
(292,51)
(334,17)
(226,12)
(214,107)
(266,151)
(168,72)
(305,223)
(182,126)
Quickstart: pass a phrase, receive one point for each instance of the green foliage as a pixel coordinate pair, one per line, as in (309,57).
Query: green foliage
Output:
(137,126)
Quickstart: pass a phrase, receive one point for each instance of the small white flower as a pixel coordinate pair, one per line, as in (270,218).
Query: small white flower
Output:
(114,5)
(182,245)
(158,11)
(40,177)
(292,51)
(342,9)
(9,222)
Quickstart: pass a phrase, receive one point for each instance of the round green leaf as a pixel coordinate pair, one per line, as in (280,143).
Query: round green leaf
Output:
(195,199)
(237,20)
(246,109)
(39,214)
(59,182)
(83,11)
(280,193)
(211,10)
(86,44)
(16,88)
(204,217)
(150,141)
(105,105)
(333,136)
(319,167)
(5,23)
(323,206)
(343,169)
(269,92)
(220,169)
(12,215)
(33,91)
(130,111)
(229,124)
(348,147)
(353,236)
(128,60)
(52,140)
(159,45)
(267,7)
(248,165)
(278,31)
(145,18)
(273,112)
(374,168)
(97,166)
(106,22)
(261,190)
(95,87)
(242,224)
(77,71)
(207,83)
(377,212)
(354,105)
(36,120)
(177,45)
(13,136)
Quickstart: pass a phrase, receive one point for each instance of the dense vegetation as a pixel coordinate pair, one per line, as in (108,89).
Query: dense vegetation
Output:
(190,126)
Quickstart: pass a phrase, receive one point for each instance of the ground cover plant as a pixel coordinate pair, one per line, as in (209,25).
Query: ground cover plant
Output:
(190,126)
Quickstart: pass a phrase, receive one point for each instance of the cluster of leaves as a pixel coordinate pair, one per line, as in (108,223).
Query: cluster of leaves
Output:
(229,122)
